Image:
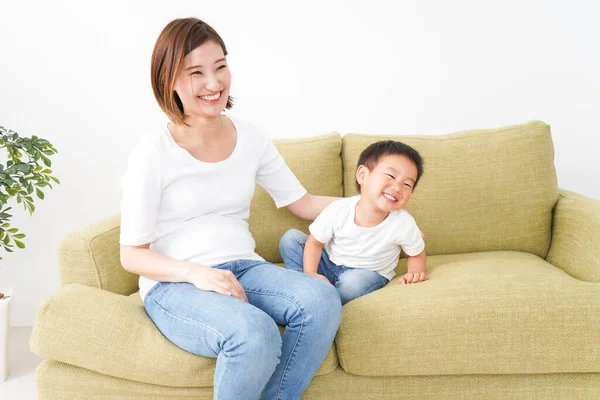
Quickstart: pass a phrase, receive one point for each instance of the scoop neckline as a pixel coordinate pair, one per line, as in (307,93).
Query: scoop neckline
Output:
(224,161)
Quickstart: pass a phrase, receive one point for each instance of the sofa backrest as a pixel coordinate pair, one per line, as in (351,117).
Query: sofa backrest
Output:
(482,190)
(317,163)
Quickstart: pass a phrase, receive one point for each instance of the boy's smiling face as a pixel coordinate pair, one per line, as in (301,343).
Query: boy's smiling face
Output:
(389,185)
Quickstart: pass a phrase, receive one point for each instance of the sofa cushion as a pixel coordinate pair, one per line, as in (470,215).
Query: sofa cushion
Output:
(480,313)
(317,163)
(484,190)
(112,335)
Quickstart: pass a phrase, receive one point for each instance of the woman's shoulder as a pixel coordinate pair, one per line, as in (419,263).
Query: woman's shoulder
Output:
(248,131)
(157,140)
(153,144)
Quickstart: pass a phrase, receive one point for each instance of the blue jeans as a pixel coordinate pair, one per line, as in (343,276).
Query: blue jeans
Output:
(351,283)
(253,359)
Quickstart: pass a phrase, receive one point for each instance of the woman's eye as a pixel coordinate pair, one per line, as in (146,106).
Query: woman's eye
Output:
(196,73)
(221,67)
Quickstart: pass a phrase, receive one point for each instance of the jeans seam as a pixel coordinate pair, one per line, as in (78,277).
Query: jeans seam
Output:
(326,265)
(221,377)
(186,319)
(293,352)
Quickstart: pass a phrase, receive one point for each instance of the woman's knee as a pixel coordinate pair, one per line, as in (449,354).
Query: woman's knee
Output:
(256,335)
(322,303)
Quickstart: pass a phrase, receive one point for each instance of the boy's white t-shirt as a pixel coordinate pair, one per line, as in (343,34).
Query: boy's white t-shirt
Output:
(374,248)
(197,211)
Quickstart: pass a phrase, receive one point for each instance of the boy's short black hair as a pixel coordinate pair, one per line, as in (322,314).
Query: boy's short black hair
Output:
(371,155)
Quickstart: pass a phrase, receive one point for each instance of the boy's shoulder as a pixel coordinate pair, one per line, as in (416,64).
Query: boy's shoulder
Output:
(344,203)
(339,207)
(402,218)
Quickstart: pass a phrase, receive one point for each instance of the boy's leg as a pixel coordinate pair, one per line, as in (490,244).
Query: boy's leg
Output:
(291,247)
(311,311)
(354,283)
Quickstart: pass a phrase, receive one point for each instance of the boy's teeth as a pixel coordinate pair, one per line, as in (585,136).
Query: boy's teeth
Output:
(387,196)
(210,98)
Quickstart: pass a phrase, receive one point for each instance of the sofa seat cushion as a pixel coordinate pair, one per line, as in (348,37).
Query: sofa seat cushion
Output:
(479,313)
(111,334)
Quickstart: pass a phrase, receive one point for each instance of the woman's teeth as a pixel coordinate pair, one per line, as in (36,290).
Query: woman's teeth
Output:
(212,97)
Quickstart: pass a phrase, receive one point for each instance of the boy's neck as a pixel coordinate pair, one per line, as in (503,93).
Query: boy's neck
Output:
(367,215)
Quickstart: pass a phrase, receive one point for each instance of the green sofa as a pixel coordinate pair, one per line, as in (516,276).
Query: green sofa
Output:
(511,310)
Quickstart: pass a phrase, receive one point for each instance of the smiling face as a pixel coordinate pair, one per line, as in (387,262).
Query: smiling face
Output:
(389,185)
(204,81)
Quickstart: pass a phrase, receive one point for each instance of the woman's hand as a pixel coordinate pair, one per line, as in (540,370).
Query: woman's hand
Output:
(216,280)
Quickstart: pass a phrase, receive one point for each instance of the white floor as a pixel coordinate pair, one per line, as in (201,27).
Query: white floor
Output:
(20,384)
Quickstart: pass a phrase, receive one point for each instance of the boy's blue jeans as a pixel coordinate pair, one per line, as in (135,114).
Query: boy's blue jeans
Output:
(252,357)
(351,283)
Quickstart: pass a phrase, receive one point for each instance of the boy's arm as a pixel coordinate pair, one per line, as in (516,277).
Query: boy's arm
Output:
(312,255)
(416,269)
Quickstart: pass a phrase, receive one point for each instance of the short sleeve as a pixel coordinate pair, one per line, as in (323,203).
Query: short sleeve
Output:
(323,227)
(141,187)
(276,177)
(411,241)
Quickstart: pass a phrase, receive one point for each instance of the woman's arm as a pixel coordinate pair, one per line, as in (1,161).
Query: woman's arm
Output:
(309,206)
(142,261)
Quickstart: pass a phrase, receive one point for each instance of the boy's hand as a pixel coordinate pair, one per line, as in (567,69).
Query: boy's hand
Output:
(413,277)
(317,275)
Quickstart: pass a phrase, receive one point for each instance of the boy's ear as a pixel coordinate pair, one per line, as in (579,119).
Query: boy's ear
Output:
(361,173)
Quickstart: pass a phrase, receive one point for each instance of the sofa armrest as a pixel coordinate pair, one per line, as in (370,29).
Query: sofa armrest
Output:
(575,246)
(111,334)
(90,256)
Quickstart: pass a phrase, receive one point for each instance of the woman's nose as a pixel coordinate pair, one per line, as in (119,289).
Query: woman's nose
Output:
(212,83)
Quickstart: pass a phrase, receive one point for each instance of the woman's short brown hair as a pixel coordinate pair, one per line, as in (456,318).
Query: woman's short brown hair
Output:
(177,40)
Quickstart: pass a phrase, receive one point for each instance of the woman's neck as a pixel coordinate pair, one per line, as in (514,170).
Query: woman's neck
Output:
(205,130)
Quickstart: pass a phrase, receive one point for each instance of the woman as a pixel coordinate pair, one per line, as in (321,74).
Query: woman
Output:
(184,230)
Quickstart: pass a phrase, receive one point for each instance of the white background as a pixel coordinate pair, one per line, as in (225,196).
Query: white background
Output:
(77,74)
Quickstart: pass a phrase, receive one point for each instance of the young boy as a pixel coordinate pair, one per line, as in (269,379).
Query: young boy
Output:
(355,242)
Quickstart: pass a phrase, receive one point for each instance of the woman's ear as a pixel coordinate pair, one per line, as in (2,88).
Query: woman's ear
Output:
(361,174)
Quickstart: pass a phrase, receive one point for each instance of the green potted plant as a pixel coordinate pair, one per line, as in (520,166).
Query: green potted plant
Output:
(24,173)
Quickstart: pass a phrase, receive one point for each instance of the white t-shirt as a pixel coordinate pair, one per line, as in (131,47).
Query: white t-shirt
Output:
(375,248)
(197,211)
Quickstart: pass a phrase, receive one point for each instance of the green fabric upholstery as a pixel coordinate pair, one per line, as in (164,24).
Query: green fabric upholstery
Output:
(576,236)
(511,310)
(90,256)
(58,381)
(481,313)
(484,190)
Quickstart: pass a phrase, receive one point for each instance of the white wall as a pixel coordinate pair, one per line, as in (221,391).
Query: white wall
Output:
(77,74)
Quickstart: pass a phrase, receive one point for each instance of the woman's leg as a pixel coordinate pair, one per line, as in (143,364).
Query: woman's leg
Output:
(245,340)
(311,311)
(354,283)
